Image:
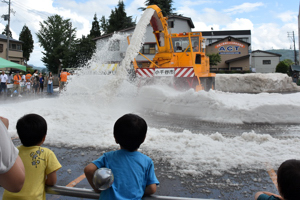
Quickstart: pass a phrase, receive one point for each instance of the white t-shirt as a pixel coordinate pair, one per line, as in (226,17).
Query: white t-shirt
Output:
(10,77)
(8,152)
(3,78)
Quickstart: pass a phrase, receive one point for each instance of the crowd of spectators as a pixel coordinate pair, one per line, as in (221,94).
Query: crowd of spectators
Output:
(20,83)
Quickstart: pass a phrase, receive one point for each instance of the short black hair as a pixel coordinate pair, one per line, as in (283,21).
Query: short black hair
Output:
(31,129)
(130,131)
(288,179)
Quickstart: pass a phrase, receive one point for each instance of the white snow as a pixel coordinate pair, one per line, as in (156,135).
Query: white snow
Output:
(84,116)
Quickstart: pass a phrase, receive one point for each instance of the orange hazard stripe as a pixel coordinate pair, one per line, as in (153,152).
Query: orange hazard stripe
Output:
(76,181)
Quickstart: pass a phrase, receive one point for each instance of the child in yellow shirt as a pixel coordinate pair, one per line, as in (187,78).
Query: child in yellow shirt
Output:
(40,163)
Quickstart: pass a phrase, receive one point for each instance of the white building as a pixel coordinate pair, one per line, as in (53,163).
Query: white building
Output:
(264,62)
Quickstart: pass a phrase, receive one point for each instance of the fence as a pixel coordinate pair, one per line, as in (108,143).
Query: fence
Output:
(90,194)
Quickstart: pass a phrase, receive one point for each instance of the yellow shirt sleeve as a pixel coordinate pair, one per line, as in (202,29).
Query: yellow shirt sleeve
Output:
(52,163)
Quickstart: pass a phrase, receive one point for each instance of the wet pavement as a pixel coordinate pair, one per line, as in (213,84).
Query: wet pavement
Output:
(234,184)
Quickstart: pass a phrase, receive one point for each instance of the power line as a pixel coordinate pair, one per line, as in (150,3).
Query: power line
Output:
(29,9)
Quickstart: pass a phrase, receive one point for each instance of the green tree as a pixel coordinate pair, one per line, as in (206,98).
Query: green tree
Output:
(95,30)
(56,36)
(214,59)
(82,51)
(118,20)
(103,24)
(164,5)
(5,32)
(27,47)
(288,62)
(282,67)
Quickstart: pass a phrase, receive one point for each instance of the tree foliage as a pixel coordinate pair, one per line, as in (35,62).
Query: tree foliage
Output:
(56,36)
(214,59)
(27,47)
(82,51)
(288,62)
(282,67)
(95,30)
(164,5)
(5,32)
(118,20)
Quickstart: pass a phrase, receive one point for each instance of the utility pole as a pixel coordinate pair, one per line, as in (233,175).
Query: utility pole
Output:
(292,36)
(7,17)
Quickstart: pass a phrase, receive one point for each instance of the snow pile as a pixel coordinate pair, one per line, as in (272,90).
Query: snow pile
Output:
(216,106)
(86,120)
(255,83)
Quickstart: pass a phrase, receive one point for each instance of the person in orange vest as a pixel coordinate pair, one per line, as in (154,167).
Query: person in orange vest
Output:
(63,79)
(17,80)
(28,81)
(28,76)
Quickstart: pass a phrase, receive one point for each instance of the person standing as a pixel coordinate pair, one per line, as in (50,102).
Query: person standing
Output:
(10,77)
(41,80)
(35,81)
(63,79)
(3,79)
(50,83)
(17,80)
(12,172)
(28,81)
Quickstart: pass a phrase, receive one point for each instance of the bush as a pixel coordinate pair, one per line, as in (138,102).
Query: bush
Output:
(282,67)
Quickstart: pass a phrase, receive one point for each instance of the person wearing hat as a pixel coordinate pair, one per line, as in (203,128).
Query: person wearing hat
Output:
(17,80)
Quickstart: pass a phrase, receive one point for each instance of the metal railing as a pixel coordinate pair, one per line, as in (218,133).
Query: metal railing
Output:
(91,194)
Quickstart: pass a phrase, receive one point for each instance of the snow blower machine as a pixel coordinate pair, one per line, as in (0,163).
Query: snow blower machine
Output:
(180,56)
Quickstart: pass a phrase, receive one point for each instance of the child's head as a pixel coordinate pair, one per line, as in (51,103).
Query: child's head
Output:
(130,131)
(288,179)
(32,129)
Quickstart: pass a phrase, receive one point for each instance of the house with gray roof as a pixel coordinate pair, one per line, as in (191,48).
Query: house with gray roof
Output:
(15,49)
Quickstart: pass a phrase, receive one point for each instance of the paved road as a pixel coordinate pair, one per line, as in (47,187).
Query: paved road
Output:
(234,185)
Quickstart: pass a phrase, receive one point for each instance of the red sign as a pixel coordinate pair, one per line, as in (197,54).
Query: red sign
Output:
(230,43)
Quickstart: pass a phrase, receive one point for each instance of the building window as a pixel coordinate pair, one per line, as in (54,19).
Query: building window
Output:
(171,24)
(266,62)
(148,49)
(12,46)
(1,48)
(15,61)
(114,45)
(236,68)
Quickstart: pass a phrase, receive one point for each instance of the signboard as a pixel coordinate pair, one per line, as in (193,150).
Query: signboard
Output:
(229,47)
(164,72)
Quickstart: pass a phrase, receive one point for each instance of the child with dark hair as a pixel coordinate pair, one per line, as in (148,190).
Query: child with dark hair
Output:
(40,163)
(288,179)
(134,175)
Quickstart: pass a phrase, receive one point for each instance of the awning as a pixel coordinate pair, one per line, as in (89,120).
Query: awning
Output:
(295,68)
(7,65)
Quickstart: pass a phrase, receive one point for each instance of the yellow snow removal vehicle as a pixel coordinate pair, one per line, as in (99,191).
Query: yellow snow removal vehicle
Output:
(180,56)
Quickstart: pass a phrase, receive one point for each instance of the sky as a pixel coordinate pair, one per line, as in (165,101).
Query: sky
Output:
(269,20)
